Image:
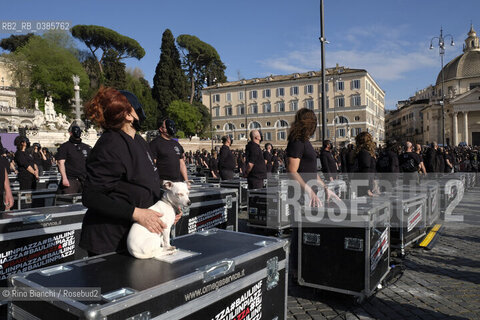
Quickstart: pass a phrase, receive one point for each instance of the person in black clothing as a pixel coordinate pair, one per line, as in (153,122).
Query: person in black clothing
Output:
(388,160)
(366,159)
(410,162)
(440,160)
(350,158)
(256,170)
(329,164)
(71,158)
(226,161)
(27,170)
(168,154)
(267,155)
(242,163)
(431,158)
(47,165)
(213,165)
(38,157)
(448,162)
(302,158)
(275,161)
(121,176)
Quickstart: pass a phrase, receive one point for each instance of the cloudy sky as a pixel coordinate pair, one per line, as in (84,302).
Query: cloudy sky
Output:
(388,38)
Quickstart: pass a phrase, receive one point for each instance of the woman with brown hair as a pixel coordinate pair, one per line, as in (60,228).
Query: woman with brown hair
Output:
(366,160)
(121,177)
(301,157)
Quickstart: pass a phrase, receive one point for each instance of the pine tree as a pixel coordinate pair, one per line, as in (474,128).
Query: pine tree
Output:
(169,82)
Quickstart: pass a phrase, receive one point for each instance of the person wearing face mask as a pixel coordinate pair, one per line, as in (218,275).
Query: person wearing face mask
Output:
(71,157)
(226,161)
(121,176)
(168,154)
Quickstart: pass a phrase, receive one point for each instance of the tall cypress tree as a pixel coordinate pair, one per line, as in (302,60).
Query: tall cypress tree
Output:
(169,82)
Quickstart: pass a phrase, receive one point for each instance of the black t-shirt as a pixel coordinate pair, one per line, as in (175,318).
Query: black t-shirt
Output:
(268,157)
(75,155)
(226,160)
(409,162)
(213,165)
(304,151)
(121,175)
(366,163)
(329,165)
(255,156)
(167,154)
(275,163)
(23,161)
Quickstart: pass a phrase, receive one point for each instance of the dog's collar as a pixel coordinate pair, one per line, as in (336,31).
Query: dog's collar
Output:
(175,208)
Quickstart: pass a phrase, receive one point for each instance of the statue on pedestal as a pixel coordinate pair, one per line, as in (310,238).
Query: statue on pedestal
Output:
(50,114)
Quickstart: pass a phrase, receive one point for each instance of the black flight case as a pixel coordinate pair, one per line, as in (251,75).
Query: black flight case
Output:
(345,248)
(242,185)
(216,274)
(210,208)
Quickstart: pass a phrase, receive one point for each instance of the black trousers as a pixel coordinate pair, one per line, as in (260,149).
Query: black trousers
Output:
(254,183)
(75,187)
(27,181)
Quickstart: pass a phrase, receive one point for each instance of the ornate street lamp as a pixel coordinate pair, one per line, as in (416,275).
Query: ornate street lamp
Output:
(441,51)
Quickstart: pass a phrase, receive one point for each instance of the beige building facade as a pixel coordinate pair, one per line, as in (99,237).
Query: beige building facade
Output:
(355,103)
(461,82)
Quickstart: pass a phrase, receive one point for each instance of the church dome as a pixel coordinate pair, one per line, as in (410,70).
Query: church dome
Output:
(465,65)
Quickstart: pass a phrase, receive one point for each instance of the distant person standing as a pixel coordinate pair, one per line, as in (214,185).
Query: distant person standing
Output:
(431,158)
(71,159)
(226,161)
(256,170)
(267,155)
(27,170)
(329,165)
(213,165)
(168,154)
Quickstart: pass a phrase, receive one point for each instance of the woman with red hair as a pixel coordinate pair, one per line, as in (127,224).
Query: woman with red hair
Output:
(121,177)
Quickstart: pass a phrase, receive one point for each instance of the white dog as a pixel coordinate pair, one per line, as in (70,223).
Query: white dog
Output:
(143,244)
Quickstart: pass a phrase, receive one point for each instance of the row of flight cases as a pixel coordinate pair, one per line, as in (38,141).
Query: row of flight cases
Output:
(357,234)
(216,272)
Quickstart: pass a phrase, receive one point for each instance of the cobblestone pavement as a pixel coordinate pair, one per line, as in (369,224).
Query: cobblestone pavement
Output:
(442,283)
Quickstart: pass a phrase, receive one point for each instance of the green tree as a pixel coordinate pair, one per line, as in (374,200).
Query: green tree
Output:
(186,116)
(140,87)
(113,70)
(47,69)
(98,37)
(14,42)
(202,62)
(169,82)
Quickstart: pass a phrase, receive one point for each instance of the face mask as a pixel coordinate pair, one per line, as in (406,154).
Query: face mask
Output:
(136,125)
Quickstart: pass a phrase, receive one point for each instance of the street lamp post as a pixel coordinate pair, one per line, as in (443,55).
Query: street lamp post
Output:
(322,39)
(441,51)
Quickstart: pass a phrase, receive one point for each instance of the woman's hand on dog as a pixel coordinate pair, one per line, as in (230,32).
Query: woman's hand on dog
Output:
(149,219)
(178,216)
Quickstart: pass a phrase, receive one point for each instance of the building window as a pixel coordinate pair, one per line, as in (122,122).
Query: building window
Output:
(294,105)
(341,132)
(228,111)
(216,111)
(341,119)
(294,91)
(267,108)
(229,127)
(356,100)
(241,136)
(357,118)
(282,135)
(218,127)
(268,123)
(216,98)
(280,92)
(228,97)
(268,136)
(254,108)
(339,102)
(358,131)
(240,95)
(241,109)
(266,93)
(309,89)
(255,125)
(356,84)
(340,85)
(309,104)
(242,125)
(326,87)
(253,94)
(281,106)
(282,124)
